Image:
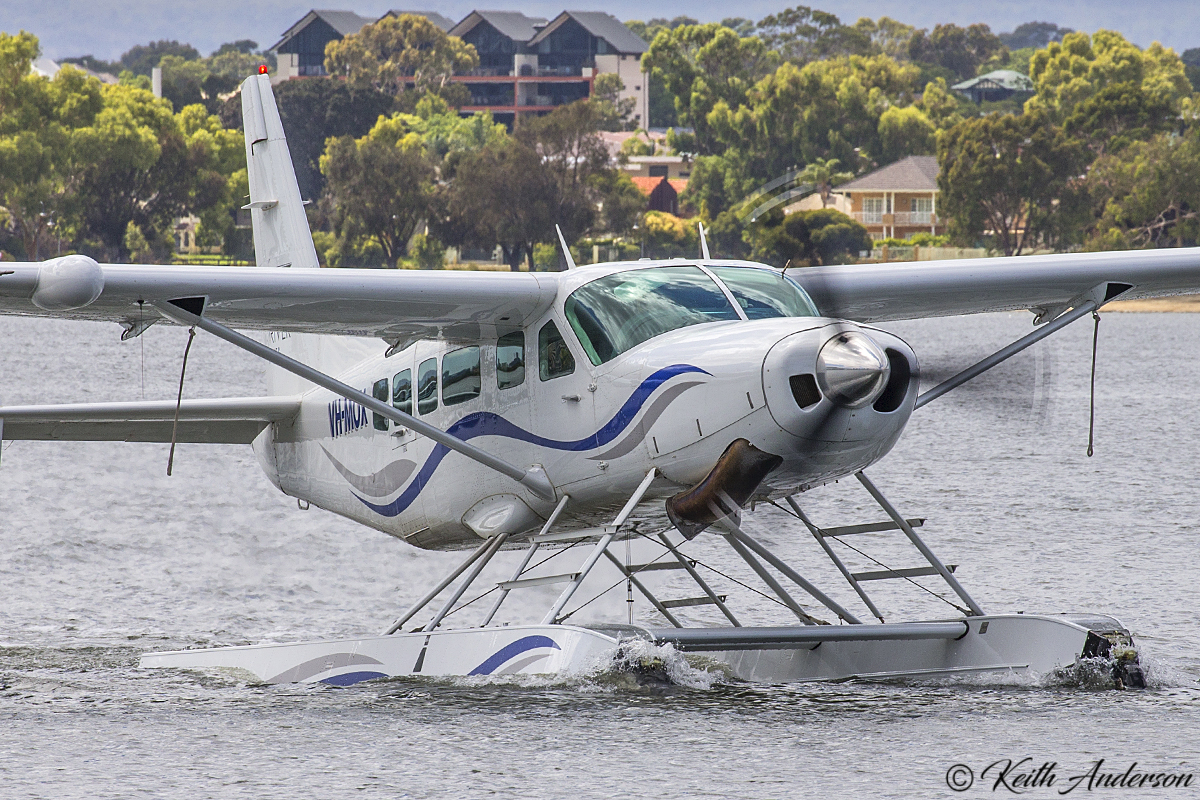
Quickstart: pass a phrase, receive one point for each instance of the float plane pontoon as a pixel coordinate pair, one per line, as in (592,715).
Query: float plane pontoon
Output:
(572,414)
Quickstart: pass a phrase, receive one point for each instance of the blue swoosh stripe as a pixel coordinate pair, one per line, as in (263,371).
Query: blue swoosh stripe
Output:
(512,650)
(351,678)
(487,423)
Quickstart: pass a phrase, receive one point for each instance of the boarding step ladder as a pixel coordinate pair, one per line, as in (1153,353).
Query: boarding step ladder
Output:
(896,522)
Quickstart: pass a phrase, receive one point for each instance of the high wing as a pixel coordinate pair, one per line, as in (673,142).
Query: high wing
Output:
(287,291)
(1046,284)
(234,420)
(355,302)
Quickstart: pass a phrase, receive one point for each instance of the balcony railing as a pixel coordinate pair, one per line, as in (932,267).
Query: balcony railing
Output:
(899,218)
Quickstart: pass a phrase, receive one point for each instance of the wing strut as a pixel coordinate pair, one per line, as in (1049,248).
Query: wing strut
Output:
(189,311)
(1082,306)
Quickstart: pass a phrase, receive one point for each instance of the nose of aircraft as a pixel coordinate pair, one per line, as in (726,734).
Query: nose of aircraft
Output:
(851,370)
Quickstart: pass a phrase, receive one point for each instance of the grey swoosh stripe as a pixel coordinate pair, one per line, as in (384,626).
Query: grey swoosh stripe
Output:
(638,432)
(379,484)
(517,666)
(320,664)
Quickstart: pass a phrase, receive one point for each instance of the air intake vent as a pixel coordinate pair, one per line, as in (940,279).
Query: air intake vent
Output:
(804,389)
(897,385)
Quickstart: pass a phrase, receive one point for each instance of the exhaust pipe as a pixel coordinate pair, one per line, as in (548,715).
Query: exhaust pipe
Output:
(739,471)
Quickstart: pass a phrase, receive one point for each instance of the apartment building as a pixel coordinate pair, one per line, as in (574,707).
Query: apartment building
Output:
(527,65)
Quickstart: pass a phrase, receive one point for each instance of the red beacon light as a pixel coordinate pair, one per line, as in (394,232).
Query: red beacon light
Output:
(262,69)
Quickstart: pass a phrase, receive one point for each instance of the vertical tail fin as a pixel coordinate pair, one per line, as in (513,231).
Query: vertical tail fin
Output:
(281,234)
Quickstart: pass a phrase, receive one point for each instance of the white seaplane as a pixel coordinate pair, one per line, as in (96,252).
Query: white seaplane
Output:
(483,411)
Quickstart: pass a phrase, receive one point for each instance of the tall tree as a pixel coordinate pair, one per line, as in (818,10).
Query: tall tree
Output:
(958,50)
(1067,73)
(803,34)
(1148,195)
(314,110)
(824,174)
(572,151)
(703,65)
(1013,177)
(400,50)
(382,186)
(502,194)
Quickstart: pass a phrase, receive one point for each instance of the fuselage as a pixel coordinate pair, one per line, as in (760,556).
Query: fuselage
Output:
(633,366)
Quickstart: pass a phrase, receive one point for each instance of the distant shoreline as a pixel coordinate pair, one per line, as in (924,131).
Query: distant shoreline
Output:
(1182,303)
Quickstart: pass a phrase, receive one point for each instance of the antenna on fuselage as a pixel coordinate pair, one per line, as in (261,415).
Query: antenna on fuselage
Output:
(566,250)
(703,242)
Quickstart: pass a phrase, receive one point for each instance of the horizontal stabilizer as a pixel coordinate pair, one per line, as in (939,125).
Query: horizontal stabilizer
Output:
(233,420)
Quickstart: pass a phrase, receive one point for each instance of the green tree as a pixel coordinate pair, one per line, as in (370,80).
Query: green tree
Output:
(314,110)
(1148,195)
(960,51)
(905,132)
(803,34)
(941,106)
(138,162)
(796,115)
(1067,73)
(616,113)
(398,50)
(887,36)
(668,236)
(502,194)
(824,174)
(1013,177)
(805,238)
(1033,35)
(1118,115)
(382,187)
(183,81)
(703,65)
(569,143)
(142,58)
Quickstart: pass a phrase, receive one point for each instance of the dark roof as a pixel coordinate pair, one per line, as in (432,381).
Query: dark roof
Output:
(999,79)
(912,174)
(445,23)
(512,24)
(602,26)
(344,22)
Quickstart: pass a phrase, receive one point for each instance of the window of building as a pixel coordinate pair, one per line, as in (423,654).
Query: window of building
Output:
(554,357)
(510,360)
(658,170)
(427,400)
(460,375)
(402,391)
(922,205)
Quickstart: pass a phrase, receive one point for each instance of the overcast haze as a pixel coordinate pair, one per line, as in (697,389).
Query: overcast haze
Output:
(107,28)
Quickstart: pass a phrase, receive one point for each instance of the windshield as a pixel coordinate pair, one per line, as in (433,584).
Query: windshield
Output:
(764,293)
(618,312)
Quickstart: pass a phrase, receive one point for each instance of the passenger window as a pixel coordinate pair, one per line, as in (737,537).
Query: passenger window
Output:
(510,360)
(460,376)
(554,357)
(402,391)
(427,386)
(380,392)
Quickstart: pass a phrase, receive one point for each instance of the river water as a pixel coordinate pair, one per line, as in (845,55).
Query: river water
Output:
(103,557)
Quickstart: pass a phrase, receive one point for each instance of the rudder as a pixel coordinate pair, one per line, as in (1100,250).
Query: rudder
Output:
(281,234)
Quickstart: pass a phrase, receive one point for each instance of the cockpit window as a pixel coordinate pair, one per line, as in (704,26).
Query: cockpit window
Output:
(764,293)
(618,312)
